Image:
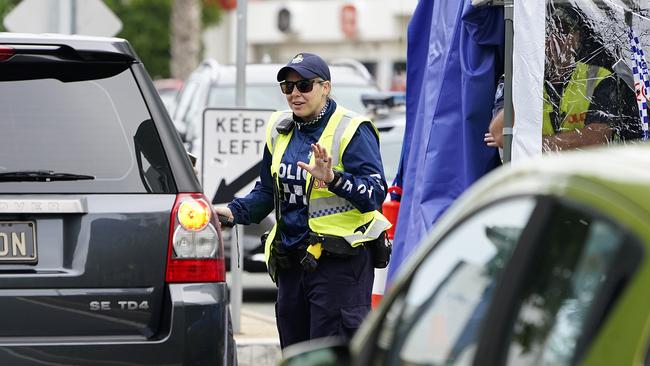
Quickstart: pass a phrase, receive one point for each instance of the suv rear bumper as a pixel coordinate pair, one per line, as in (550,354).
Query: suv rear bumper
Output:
(199,333)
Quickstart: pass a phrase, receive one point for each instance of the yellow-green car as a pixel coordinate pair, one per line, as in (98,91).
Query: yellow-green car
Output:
(544,263)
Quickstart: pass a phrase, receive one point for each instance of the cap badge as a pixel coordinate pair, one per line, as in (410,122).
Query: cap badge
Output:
(297,59)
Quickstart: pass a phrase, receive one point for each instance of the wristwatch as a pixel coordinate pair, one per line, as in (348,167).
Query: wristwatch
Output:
(337,178)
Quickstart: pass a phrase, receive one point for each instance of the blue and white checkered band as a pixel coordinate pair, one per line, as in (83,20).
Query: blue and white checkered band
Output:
(330,211)
(641,80)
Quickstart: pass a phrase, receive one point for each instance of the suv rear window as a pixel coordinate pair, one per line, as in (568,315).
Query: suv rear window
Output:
(99,127)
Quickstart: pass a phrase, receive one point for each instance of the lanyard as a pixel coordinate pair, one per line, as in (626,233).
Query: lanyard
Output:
(641,80)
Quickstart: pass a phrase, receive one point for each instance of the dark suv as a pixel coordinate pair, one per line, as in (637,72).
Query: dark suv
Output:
(109,252)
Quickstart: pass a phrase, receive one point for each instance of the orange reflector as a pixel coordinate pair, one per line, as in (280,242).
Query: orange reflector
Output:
(194,214)
(379,286)
(376,299)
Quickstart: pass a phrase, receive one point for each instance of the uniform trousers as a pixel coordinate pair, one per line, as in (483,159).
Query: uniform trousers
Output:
(330,301)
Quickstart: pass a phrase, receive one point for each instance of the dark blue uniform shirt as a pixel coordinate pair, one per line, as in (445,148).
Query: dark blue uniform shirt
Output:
(362,183)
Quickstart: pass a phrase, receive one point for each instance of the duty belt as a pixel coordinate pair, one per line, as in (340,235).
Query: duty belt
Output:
(335,245)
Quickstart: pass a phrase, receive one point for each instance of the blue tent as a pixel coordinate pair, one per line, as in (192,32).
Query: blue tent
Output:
(455,56)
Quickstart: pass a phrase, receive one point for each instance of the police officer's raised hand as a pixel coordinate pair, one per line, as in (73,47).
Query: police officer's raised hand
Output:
(321,168)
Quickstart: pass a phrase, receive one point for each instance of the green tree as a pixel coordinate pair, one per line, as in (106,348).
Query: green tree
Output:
(5,7)
(145,23)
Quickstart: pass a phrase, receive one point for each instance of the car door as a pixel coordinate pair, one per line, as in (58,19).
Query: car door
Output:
(435,317)
(524,281)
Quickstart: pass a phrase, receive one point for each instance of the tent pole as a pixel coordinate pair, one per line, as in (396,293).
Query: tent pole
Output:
(508,109)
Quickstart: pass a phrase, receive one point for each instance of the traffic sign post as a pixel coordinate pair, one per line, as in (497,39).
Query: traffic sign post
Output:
(87,17)
(233,146)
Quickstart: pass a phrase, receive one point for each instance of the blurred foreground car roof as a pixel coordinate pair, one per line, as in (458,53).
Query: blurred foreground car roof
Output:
(609,184)
(541,262)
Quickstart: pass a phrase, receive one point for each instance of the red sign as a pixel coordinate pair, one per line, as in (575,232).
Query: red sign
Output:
(228,4)
(349,21)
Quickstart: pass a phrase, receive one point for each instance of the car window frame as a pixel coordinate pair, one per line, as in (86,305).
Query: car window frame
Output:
(495,335)
(626,262)
(540,209)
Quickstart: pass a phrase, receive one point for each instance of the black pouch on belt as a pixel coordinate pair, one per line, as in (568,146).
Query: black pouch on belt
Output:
(272,264)
(381,249)
(282,258)
(278,258)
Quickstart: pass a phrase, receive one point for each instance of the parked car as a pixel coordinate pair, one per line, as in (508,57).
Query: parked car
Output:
(387,109)
(544,263)
(388,113)
(109,252)
(168,90)
(213,85)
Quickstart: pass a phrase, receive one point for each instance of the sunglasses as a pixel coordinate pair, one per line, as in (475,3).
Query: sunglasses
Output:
(304,85)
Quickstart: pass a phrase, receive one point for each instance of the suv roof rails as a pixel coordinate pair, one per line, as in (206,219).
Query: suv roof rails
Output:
(358,66)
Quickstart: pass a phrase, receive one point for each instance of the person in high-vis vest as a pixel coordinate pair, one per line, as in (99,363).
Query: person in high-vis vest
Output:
(583,103)
(322,174)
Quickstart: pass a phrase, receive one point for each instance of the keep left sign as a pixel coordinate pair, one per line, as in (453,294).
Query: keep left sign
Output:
(233,146)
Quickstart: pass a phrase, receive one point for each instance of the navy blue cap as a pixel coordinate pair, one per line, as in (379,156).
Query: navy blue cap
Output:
(307,65)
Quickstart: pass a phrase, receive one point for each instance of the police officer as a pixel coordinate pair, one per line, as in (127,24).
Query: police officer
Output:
(323,175)
(584,103)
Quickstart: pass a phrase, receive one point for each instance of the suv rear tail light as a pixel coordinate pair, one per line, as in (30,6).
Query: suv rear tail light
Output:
(195,251)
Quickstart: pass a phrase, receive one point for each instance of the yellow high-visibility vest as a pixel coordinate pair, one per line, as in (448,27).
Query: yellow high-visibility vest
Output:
(576,98)
(329,214)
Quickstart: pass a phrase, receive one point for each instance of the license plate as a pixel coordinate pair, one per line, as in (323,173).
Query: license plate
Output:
(18,242)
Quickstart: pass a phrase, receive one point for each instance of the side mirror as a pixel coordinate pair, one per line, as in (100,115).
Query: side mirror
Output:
(322,352)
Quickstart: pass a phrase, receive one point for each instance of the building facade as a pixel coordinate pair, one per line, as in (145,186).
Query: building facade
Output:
(370,31)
